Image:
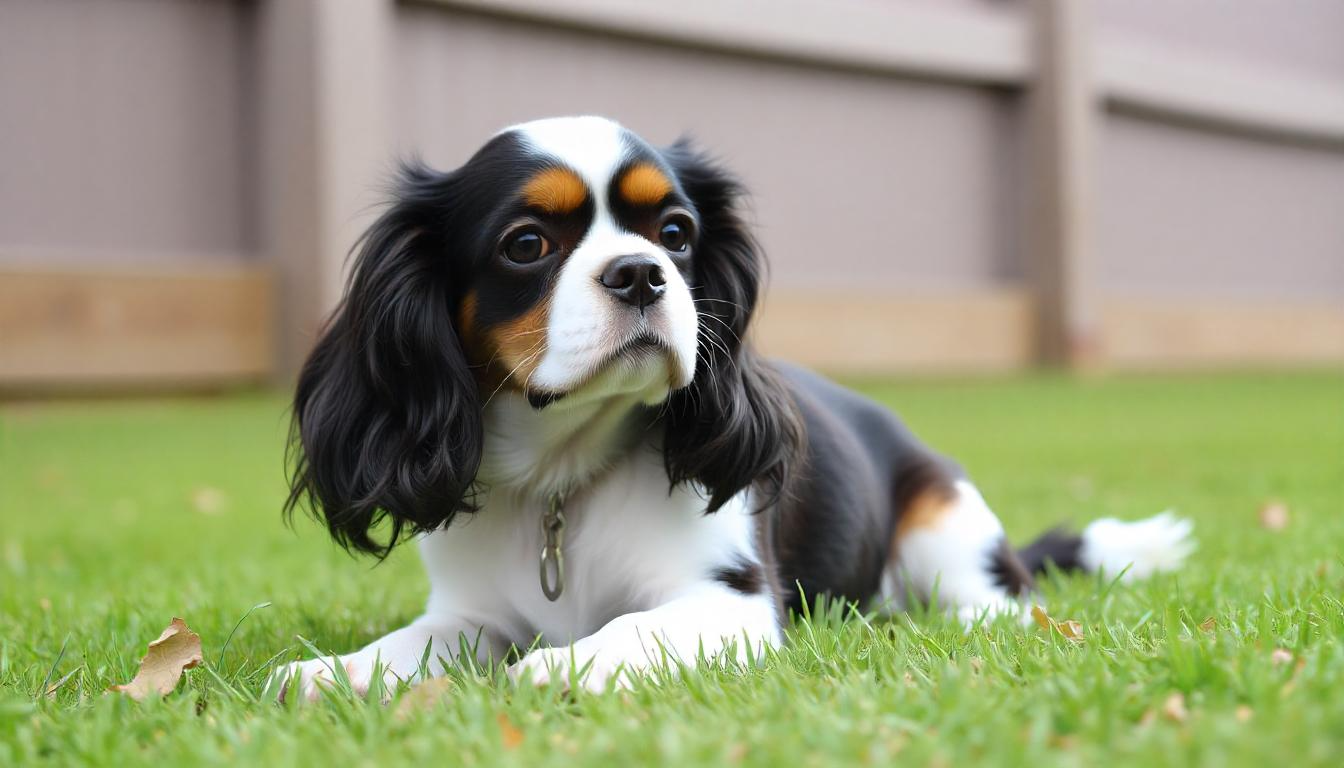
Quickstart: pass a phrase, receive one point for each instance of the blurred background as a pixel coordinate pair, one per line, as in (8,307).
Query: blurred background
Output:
(942,186)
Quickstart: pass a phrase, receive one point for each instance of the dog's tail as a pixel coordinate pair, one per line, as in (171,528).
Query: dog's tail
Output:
(1128,550)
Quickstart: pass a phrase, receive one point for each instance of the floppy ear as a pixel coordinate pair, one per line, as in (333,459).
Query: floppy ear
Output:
(387,418)
(736,425)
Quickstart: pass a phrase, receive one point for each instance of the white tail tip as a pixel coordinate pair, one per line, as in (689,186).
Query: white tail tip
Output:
(1137,549)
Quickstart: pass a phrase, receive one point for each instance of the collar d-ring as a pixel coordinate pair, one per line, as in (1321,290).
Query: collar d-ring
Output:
(552,549)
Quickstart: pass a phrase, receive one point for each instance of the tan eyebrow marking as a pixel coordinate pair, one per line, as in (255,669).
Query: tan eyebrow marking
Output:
(555,191)
(644,184)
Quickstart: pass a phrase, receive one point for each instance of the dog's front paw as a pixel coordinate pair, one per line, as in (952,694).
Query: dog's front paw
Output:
(974,614)
(308,680)
(576,666)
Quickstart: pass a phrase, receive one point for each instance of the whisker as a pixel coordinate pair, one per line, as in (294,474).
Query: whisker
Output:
(533,353)
(716,301)
(722,347)
(724,324)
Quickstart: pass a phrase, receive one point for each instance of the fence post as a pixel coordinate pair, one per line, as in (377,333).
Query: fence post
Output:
(323,135)
(1063,111)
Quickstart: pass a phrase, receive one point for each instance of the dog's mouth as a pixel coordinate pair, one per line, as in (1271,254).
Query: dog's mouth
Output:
(634,352)
(638,348)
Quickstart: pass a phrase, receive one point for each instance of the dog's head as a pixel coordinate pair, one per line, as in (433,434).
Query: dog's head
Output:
(568,261)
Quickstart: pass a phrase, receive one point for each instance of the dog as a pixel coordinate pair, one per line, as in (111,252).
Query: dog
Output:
(539,371)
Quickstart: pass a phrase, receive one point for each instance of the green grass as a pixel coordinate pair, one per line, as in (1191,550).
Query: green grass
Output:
(103,540)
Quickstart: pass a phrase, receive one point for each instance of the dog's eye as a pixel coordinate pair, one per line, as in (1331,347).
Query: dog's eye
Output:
(674,235)
(526,247)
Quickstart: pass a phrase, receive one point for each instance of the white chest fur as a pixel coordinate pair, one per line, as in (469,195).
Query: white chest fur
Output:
(631,543)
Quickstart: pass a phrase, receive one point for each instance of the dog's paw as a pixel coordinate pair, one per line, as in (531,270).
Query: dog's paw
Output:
(308,680)
(976,614)
(578,666)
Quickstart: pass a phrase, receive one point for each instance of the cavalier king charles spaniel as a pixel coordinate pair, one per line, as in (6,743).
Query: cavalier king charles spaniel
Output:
(540,372)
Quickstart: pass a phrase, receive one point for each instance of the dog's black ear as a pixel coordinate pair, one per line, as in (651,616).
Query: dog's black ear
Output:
(736,425)
(387,415)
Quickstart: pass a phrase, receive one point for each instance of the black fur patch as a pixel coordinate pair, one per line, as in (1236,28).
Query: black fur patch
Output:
(743,576)
(1058,546)
(1009,570)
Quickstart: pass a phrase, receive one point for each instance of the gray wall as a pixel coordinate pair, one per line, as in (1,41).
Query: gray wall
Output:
(1301,36)
(126,130)
(859,180)
(1186,212)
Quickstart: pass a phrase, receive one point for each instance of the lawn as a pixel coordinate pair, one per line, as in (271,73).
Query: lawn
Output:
(117,516)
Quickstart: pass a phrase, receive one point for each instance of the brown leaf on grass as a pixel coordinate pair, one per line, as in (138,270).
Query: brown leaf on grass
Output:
(1174,708)
(1208,625)
(1274,516)
(1063,741)
(1042,618)
(422,696)
(1244,714)
(1071,630)
(209,501)
(1291,685)
(508,732)
(50,476)
(177,649)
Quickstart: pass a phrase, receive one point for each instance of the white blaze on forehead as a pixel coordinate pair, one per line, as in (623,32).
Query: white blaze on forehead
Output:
(584,325)
(593,147)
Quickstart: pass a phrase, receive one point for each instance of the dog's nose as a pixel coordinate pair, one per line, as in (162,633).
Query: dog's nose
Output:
(636,280)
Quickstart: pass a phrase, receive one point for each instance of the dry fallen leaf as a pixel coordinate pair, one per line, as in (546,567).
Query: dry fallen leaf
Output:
(1209,624)
(1082,487)
(508,732)
(1291,685)
(177,649)
(1071,630)
(208,501)
(1174,708)
(1274,516)
(424,695)
(1042,618)
(1063,741)
(1244,714)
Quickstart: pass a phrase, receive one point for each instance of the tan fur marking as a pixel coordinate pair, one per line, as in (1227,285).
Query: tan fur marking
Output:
(513,350)
(466,318)
(473,346)
(644,184)
(555,191)
(925,510)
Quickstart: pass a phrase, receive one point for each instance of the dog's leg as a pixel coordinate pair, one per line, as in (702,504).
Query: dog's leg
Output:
(712,620)
(397,655)
(950,546)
